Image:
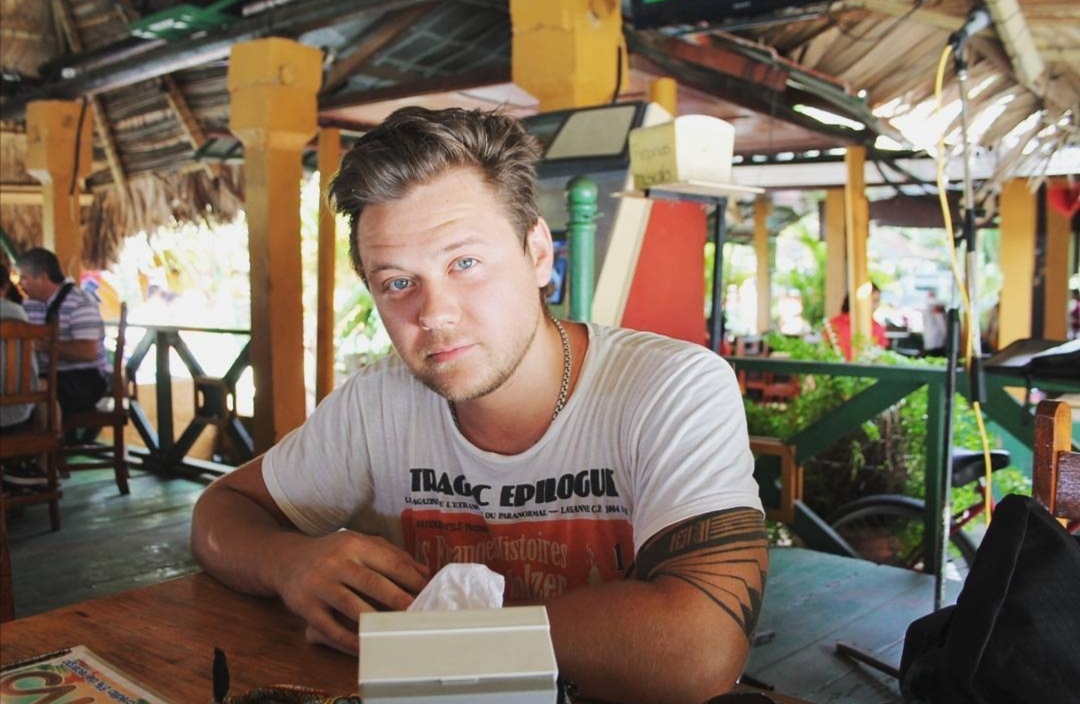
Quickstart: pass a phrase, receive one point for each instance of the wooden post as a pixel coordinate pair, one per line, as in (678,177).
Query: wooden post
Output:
(1017,259)
(329,156)
(762,206)
(1056,288)
(59,143)
(665,93)
(564,51)
(273,85)
(857,215)
(832,226)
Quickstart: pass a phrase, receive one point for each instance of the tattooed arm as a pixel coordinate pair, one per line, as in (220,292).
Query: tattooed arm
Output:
(680,630)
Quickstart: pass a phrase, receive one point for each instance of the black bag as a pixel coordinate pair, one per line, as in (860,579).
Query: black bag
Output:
(1013,635)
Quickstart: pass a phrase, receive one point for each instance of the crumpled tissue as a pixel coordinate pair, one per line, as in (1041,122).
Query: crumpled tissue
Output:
(461,586)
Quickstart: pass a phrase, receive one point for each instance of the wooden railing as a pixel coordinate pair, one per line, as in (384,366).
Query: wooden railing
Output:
(215,402)
(779,459)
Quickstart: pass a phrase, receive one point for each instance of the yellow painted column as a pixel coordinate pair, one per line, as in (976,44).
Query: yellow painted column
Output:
(665,93)
(1017,257)
(1056,301)
(857,218)
(762,207)
(59,152)
(568,53)
(832,226)
(273,85)
(329,158)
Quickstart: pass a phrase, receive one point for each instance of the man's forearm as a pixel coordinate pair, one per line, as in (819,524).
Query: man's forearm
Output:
(639,642)
(78,350)
(237,541)
(680,631)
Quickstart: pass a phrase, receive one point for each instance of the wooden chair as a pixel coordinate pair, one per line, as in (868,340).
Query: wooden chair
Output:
(21,385)
(1055,470)
(7,594)
(112,413)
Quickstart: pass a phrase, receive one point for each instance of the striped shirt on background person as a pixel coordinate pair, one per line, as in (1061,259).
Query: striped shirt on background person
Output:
(79,319)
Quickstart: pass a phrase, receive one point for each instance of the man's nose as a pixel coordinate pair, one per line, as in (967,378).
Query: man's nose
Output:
(439,308)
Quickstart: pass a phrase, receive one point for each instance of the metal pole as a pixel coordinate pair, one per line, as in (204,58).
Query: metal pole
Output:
(581,197)
(716,322)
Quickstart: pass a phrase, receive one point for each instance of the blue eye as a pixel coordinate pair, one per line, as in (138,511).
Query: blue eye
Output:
(466,263)
(397,284)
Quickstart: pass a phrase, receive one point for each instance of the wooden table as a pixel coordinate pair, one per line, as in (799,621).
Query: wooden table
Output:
(813,600)
(164,635)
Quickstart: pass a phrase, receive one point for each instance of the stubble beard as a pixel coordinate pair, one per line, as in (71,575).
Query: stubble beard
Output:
(501,368)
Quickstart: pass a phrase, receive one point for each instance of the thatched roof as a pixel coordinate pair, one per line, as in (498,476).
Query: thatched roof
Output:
(164,104)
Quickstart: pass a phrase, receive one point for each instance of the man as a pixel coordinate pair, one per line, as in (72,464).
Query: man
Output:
(82,368)
(605,473)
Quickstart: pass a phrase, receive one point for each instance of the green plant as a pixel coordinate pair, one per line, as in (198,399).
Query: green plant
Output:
(884,455)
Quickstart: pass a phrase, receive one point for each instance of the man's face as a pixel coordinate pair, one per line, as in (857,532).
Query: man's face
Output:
(458,293)
(36,287)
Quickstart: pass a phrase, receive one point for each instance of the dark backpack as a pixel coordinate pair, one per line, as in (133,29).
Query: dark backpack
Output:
(1013,635)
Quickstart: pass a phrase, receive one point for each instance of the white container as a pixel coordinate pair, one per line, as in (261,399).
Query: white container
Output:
(460,657)
(689,148)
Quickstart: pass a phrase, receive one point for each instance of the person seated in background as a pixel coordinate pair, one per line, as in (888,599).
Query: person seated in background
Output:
(935,327)
(838,328)
(15,417)
(605,473)
(82,368)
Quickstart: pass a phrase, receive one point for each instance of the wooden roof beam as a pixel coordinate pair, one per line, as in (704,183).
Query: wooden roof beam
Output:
(372,43)
(101,120)
(31,194)
(1012,27)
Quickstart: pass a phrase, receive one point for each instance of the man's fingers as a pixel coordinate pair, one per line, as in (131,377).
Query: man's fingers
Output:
(373,586)
(326,630)
(395,564)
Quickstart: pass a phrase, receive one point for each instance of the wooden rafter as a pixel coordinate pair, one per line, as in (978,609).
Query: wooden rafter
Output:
(383,35)
(1012,27)
(193,131)
(896,8)
(30,194)
(101,121)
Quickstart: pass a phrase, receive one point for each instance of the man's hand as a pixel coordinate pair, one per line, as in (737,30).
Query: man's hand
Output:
(239,535)
(329,581)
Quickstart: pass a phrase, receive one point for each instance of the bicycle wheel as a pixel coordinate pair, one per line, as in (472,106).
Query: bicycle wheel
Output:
(889,530)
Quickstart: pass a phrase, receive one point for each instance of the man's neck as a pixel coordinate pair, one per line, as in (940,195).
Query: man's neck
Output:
(508,425)
(51,294)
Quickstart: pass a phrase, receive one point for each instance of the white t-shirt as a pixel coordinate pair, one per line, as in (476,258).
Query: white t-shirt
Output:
(654,433)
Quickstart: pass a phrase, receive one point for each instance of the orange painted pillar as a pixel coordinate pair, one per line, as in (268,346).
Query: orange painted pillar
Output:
(1017,257)
(857,210)
(59,144)
(329,159)
(273,85)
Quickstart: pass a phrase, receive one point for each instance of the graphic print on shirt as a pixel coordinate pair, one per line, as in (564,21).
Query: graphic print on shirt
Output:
(544,537)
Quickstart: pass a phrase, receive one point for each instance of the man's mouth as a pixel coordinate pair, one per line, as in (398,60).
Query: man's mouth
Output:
(447,353)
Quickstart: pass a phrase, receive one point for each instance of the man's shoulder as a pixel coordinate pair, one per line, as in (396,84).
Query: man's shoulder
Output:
(655,353)
(629,341)
(79,296)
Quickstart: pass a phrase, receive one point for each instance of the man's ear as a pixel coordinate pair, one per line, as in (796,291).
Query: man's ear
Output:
(541,251)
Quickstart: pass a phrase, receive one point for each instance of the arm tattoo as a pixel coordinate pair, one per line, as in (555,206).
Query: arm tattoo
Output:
(722,554)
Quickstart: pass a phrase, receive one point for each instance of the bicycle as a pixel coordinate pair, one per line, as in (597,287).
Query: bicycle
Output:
(889,528)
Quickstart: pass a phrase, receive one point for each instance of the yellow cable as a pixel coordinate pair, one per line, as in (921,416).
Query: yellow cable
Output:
(969,311)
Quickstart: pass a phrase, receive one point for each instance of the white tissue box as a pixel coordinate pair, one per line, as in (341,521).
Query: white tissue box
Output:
(466,656)
(688,148)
